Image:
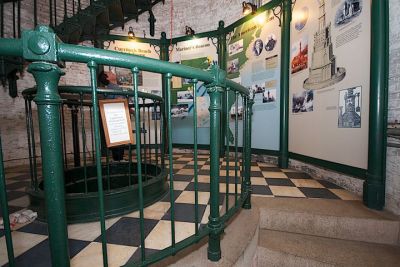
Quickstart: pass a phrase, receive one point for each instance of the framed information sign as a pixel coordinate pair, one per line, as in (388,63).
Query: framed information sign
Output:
(116,122)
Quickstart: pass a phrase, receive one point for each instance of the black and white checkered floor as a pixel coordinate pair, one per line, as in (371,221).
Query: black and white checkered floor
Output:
(31,245)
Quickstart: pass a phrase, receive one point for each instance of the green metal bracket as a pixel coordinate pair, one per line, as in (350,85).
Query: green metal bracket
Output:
(219,77)
(40,44)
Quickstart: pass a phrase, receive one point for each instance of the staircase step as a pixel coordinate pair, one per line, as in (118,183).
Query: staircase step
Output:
(289,249)
(348,220)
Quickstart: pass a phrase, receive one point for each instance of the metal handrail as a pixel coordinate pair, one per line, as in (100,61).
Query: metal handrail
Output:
(43,48)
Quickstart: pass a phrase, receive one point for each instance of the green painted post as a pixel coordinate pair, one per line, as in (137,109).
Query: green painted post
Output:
(164,55)
(5,212)
(48,101)
(285,67)
(221,51)
(247,151)
(214,224)
(374,186)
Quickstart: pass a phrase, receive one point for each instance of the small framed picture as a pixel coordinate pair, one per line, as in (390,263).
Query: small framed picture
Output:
(116,122)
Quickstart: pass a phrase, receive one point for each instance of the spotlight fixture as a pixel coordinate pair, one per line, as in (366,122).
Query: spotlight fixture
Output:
(248,8)
(189,31)
(131,34)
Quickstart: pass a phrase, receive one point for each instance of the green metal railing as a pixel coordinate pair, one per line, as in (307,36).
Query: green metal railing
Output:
(47,54)
(120,170)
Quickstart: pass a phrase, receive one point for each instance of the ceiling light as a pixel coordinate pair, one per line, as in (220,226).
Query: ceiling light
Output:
(189,31)
(131,34)
(248,8)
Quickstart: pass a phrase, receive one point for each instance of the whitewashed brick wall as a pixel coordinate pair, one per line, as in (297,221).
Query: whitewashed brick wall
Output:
(393,154)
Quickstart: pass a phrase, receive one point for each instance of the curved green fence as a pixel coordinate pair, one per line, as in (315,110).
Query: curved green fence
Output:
(48,55)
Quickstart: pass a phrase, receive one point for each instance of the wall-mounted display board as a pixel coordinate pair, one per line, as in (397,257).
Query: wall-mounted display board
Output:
(148,82)
(198,53)
(253,50)
(329,80)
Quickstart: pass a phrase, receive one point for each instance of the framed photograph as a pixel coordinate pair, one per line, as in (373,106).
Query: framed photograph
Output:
(116,121)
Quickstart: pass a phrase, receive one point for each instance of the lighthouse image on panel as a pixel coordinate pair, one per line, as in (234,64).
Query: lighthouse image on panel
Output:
(323,70)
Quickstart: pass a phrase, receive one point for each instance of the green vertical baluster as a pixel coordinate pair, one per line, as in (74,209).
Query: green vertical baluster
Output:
(28,129)
(91,132)
(93,67)
(155,131)
(4,211)
(236,145)
(244,144)
(214,223)
(63,135)
(247,183)
(149,123)
(162,133)
(129,153)
(168,78)
(196,190)
(35,177)
(48,102)
(135,72)
(108,168)
(286,13)
(144,138)
(227,131)
(83,142)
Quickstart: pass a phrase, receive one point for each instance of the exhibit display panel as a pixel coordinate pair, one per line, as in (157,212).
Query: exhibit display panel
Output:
(253,60)
(329,80)
(197,53)
(148,82)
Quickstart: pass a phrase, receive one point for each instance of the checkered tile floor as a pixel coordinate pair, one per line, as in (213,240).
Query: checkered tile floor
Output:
(31,245)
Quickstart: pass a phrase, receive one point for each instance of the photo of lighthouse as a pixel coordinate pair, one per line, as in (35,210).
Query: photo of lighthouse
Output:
(323,71)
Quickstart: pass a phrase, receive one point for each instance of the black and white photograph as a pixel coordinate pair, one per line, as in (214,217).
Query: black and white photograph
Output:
(349,115)
(258,47)
(185,96)
(258,88)
(233,66)
(155,113)
(303,101)
(239,111)
(179,110)
(235,48)
(125,78)
(270,42)
(269,96)
(348,10)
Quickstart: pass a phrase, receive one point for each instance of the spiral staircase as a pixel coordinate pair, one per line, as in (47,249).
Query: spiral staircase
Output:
(87,23)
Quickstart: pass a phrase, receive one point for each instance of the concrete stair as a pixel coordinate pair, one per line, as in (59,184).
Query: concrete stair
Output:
(313,232)
(302,232)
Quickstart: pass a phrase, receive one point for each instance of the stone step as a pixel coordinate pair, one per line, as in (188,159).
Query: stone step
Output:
(348,220)
(238,244)
(290,249)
